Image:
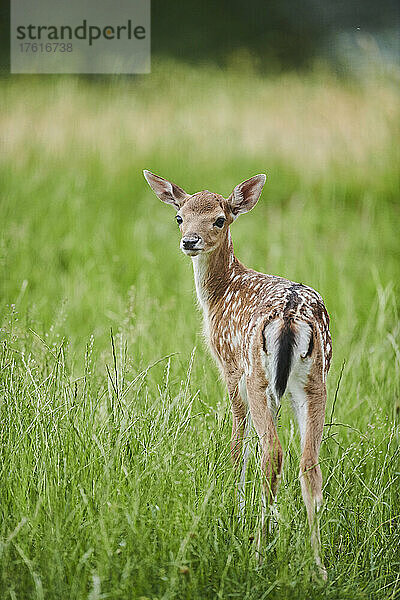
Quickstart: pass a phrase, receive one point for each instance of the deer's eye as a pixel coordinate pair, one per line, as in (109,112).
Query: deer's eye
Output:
(179,220)
(220,222)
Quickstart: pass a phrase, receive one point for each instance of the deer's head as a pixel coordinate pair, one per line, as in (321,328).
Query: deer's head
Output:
(204,217)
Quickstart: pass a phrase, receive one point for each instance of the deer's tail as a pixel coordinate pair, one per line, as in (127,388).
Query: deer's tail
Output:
(286,341)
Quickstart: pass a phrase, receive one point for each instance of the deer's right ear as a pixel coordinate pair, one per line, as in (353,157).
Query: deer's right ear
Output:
(167,192)
(245,195)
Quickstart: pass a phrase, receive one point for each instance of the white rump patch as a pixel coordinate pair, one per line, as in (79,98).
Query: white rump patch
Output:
(298,372)
(269,359)
(321,342)
(303,338)
(270,356)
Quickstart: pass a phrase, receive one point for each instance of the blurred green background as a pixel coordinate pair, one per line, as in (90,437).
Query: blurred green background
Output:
(115,472)
(276,35)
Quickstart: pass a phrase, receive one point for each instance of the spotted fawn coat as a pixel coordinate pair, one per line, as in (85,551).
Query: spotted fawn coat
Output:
(268,335)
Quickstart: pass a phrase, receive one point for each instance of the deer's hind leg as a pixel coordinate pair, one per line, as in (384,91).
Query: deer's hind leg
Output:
(271,450)
(308,395)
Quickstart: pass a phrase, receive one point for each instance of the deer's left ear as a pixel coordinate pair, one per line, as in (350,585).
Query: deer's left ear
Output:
(245,195)
(166,190)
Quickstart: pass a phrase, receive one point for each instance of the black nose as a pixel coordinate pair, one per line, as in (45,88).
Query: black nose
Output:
(190,241)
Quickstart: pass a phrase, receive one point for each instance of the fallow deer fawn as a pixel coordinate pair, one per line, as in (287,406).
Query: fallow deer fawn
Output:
(266,333)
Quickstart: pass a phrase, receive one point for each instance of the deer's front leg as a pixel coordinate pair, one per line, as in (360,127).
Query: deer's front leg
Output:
(240,423)
(239,414)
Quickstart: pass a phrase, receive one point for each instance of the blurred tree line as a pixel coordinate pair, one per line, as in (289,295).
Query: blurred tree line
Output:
(281,33)
(277,33)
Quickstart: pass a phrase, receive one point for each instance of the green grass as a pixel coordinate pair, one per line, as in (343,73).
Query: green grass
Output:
(116,479)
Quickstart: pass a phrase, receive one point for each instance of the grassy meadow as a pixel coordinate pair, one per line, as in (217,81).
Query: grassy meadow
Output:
(115,468)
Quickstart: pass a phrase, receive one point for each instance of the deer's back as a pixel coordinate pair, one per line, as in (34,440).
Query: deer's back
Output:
(253,300)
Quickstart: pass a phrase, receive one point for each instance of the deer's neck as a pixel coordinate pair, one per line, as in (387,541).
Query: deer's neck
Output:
(213,273)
